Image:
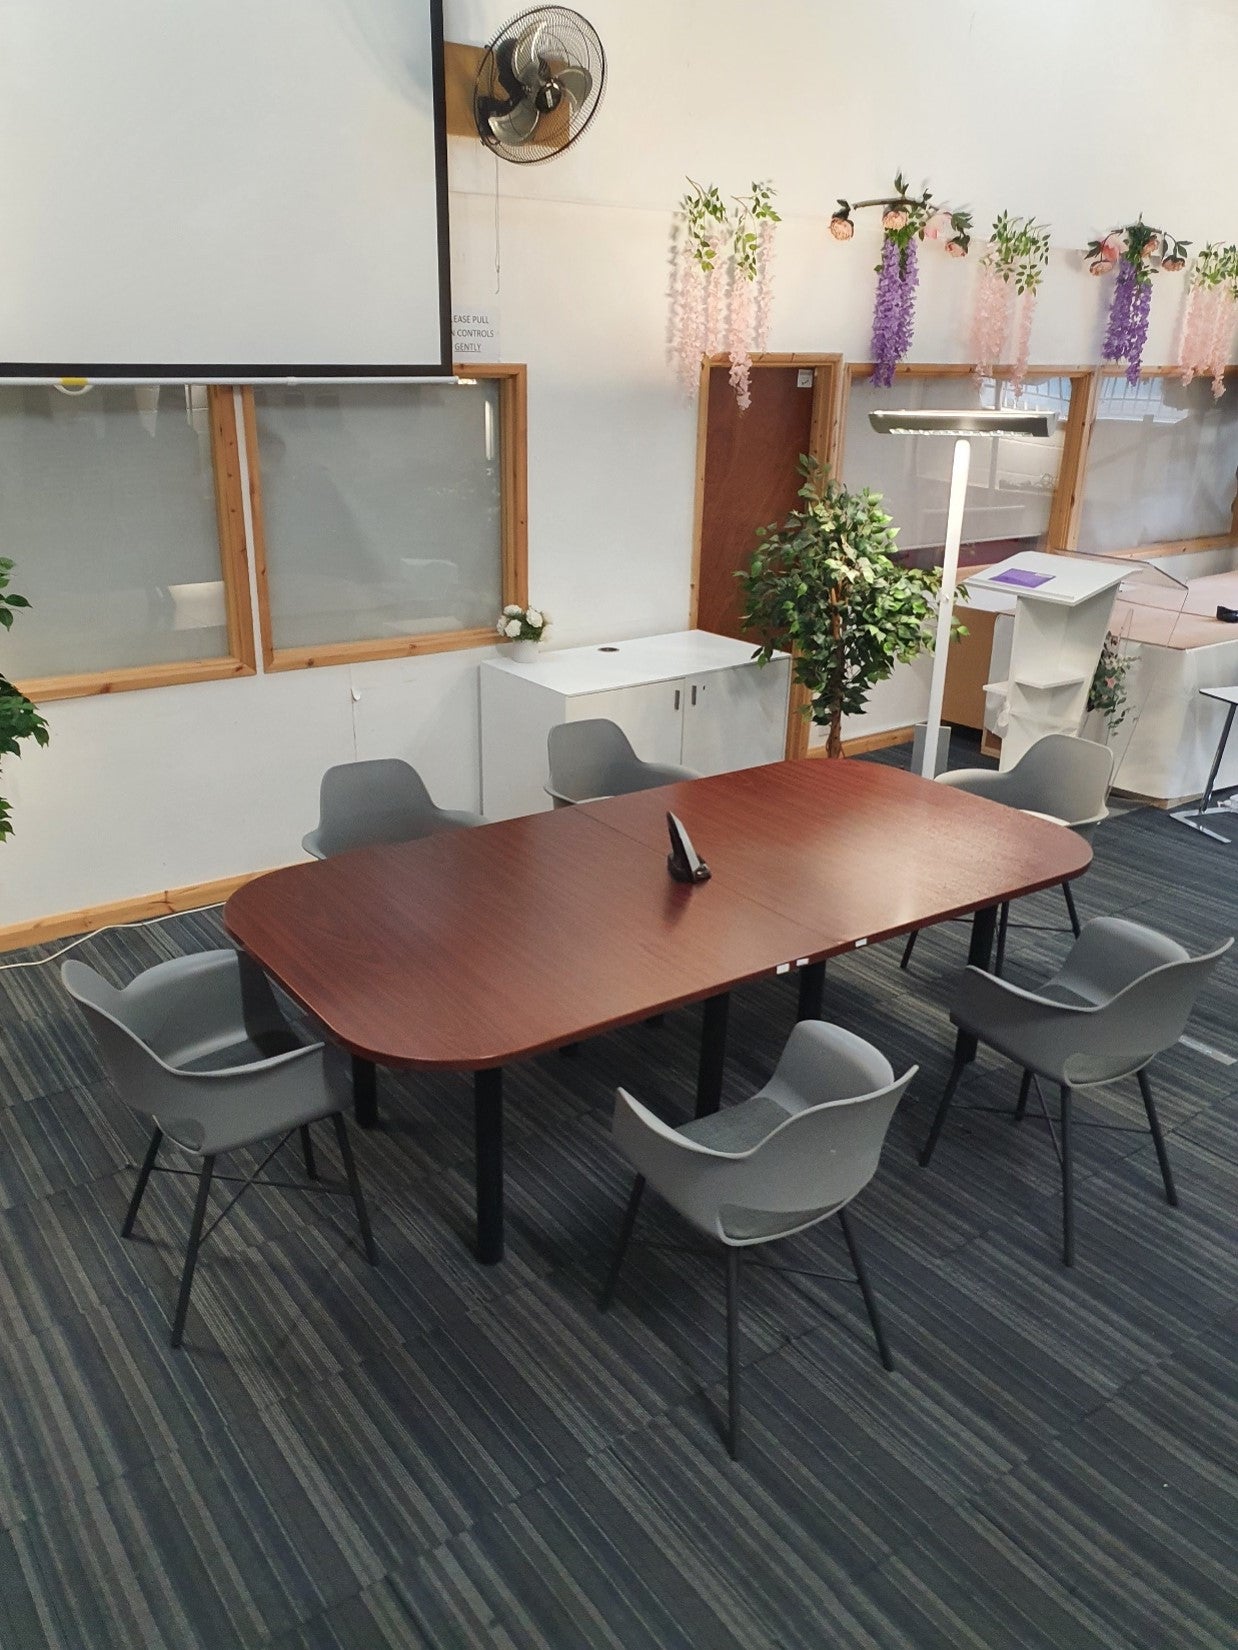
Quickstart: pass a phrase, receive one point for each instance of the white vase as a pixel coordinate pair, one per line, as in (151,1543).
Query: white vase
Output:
(525,652)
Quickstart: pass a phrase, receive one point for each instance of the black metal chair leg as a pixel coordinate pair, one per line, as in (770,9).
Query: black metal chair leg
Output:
(354,1186)
(943,1106)
(307,1151)
(621,1248)
(874,1317)
(732,1353)
(1158,1139)
(909,948)
(1070,906)
(1003,923)
(191,1249)
(1068,1189)
(1025,1088)
(148,1163)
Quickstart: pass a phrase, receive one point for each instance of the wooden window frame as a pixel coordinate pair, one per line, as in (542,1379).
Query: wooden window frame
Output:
(1161,547)
(512,379)
(1063,525)
(240,658)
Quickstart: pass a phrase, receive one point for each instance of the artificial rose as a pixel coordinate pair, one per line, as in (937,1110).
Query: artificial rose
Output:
(533,618)
(511,610)
(501,627)
(512,627)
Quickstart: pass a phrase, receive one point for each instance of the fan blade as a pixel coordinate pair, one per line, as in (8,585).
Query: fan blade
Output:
(517,124)
(575,84)
(526,64)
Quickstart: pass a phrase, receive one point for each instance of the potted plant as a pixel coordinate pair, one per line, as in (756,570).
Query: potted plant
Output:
(825,586)
(18,717)
(524,627)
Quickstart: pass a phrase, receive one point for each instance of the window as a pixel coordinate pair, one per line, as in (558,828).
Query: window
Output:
(1161,465)
(1012,488)
(121,509)
(390,517)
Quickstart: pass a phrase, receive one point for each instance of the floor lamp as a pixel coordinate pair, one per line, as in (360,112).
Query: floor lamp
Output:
(961,425)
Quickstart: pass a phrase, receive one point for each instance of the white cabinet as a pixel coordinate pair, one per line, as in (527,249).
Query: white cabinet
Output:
(690,697)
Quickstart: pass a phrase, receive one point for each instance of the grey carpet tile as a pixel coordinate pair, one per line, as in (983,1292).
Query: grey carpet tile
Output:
(431,1453)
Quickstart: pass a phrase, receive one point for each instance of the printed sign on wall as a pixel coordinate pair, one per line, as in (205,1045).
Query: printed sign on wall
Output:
(475,334)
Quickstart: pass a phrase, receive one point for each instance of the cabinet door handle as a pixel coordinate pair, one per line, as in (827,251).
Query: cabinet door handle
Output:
(693,695)
(676,698)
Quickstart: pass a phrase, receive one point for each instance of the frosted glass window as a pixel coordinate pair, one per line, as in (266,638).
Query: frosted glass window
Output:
(1012,480)
(1161,464)
(107,507)
(382,510)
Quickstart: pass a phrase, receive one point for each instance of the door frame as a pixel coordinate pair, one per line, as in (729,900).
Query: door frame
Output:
(826,416)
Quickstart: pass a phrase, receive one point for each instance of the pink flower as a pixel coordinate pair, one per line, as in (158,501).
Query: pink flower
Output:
(937,226)
(1111,248)
(841,228)
(1101,266)
(956,249)
(894,217)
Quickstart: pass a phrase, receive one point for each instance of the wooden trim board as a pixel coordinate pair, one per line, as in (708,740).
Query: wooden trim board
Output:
(138,908)
(865,742)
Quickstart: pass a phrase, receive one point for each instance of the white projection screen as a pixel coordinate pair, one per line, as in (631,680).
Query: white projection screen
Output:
(222,190)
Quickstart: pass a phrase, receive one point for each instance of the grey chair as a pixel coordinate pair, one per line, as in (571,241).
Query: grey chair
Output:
(594,759)
(1061,776)
(385,800)
(793,1154)
(1122,997)
(199,1044)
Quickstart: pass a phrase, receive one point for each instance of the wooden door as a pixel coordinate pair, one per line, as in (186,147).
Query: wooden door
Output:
(748,475)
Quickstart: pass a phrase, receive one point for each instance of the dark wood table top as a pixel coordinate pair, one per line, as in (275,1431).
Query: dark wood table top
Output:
(474,948)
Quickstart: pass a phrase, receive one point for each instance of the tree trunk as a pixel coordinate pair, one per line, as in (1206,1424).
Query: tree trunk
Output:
(835,746)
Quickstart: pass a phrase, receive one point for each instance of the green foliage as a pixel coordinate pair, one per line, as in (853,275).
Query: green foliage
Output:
(18,717)
(1019,251)
(825,587)
(1107,693)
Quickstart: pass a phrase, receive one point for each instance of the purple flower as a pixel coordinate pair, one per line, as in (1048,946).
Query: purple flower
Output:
(1137,336)
(909,279)
(887,316)
(1117,333)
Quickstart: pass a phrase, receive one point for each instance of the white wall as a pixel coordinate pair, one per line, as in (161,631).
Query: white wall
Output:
(1084,115)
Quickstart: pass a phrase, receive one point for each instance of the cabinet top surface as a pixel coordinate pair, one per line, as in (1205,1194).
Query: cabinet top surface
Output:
(608,665)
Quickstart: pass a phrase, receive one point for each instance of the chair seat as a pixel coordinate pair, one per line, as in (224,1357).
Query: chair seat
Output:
(226,1056)
(737,1128)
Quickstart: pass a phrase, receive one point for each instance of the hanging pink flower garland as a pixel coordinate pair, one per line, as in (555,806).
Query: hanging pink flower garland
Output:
(1004,307)
(1140,252)
(721,284)
(905,220)
(1210,315)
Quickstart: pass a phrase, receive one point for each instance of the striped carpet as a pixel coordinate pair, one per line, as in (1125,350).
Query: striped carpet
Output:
(431,1454)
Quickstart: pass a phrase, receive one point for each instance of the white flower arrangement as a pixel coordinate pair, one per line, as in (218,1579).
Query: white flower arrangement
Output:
(521,624)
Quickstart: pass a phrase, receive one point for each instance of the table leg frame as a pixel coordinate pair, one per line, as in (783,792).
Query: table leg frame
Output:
(713,1054)
(488,1121)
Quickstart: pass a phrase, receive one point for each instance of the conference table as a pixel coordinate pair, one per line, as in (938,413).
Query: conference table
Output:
(472,949)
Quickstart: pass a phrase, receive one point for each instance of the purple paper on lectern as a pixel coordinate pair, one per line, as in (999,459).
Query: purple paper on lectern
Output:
(1023,577)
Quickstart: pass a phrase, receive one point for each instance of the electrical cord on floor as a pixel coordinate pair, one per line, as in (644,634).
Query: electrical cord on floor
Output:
(146,922)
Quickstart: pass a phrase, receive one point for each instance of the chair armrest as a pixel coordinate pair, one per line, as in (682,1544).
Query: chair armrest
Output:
(312,843)
(220,1111)
(460,816)
(986,782)
(572,801)
(188,1005)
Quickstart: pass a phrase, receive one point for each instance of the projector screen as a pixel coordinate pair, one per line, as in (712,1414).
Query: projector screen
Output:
(222,190)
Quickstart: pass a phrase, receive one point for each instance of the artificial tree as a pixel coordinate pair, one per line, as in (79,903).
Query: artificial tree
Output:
(825,587)
(18,717)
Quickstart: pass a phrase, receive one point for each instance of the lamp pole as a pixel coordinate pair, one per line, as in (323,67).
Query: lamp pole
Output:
(945,602)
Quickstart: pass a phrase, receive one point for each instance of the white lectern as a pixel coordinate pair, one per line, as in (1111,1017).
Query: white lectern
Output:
(1063,605)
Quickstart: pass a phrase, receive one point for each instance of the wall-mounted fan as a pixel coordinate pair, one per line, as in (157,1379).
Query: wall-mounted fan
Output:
(539,84)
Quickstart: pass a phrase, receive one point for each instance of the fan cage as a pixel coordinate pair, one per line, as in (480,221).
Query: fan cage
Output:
(569,38)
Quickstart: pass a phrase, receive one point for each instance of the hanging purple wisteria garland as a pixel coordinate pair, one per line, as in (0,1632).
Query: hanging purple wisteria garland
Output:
(1139,252)
(894,312)
(905,219)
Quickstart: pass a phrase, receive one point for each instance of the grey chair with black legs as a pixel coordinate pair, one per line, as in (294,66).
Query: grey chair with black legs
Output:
(384,800)
(1123,996)
(1062,776)
(594,759)
(794,1154)
(200,1046)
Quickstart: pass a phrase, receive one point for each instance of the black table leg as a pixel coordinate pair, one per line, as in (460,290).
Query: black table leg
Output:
(979,955)
(713,1054)
(488,1113)
(812,991)
(364,1092)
